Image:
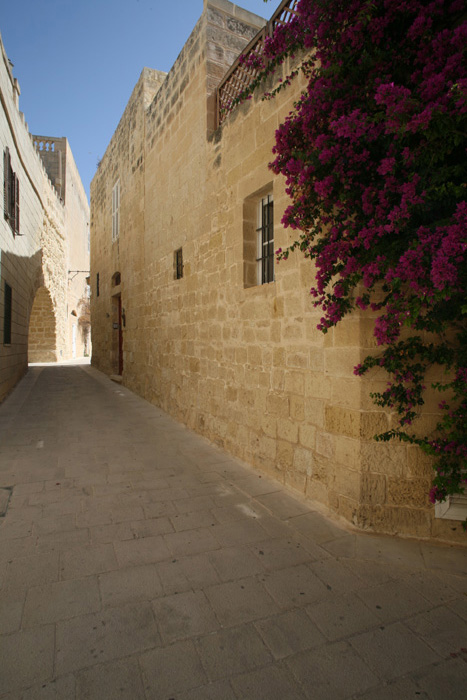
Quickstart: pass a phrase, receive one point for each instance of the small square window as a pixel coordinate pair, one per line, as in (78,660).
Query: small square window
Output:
(178,264)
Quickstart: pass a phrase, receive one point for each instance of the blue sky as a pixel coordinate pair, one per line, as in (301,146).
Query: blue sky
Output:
(77,61)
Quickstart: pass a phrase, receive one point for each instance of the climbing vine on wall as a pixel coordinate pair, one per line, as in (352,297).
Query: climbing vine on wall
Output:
(374,156)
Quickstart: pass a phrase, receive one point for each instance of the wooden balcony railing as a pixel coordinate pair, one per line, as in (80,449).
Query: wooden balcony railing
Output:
(240,76)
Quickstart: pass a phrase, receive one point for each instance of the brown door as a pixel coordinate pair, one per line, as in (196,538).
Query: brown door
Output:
(120,337)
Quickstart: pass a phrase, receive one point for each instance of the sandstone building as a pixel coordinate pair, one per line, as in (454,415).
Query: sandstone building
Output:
(44,242)
(191,310)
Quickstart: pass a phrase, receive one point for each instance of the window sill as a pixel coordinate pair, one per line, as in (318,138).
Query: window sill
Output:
(266,285)
(453,508)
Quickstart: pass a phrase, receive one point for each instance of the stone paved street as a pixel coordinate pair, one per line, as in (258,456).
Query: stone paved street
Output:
(138,561)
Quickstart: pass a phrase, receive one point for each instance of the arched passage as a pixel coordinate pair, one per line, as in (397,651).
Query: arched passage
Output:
(42,341)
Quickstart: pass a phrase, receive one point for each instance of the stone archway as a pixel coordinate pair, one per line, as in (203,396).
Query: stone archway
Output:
(42,341)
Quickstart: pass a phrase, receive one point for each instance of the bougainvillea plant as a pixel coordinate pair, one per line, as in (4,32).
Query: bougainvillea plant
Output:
(375,160)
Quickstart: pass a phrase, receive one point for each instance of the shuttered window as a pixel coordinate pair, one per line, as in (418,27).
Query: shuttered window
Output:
(116,211)
(15,203)
(10,193)
(6,184)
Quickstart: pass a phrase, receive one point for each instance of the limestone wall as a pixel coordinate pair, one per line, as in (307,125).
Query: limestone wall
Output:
(123,162)
(35,257)
(61,169)
(241,363)
(78,339)
(53,153)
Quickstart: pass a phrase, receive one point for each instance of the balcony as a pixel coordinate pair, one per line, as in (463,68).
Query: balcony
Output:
(240,75)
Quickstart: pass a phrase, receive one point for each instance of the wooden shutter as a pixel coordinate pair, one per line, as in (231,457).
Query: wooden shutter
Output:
(113,213)
(116,210)
(16,210)
(6,183)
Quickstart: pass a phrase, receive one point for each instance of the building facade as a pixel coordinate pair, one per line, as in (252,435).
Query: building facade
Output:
(191,310)
(44,242)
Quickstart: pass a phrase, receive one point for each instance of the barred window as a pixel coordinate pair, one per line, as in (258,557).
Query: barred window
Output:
(265,240)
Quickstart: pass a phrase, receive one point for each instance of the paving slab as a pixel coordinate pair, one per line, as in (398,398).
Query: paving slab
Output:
(236,562)
(441,629)
(11,613)
(85,561)
(136,583)
(444,681)
(243,600)
(184,615)
(121,680)
(295,586)
(232,651)
(393,601)
(57,689)
(22,573)
(27,657)
(340,617)
(289,633)
(113,633)
(138,561)
(61,601)
(137,551)
(400,689)
(172,669)
(187,573)
(269,683)
(331,671)
(219,690)
(393,651)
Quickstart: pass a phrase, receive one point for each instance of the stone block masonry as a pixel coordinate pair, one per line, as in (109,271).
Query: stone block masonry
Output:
(190,325)
(49,238)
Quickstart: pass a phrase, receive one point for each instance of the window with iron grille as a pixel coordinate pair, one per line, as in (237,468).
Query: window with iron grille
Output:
(7,306)
(10,193)
(178,264)
(116,211)
(265,240)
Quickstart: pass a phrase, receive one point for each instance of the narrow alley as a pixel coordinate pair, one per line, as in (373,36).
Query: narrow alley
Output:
(139,561)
